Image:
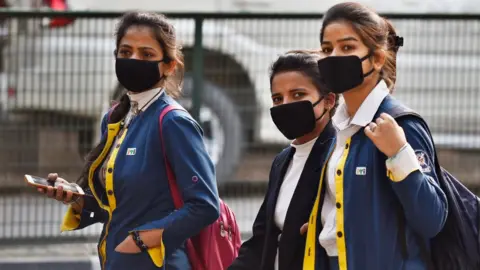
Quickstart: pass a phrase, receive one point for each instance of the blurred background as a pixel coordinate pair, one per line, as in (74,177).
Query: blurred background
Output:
(57,79)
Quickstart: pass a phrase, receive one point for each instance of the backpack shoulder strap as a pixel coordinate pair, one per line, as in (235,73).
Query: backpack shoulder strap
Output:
(172,182)
(111,110)
(398,112)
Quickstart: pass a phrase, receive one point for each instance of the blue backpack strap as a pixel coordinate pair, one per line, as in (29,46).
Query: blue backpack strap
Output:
(463,251)
(398,112)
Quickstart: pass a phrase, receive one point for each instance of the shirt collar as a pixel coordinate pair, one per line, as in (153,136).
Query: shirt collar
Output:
(365,113)
(144,99)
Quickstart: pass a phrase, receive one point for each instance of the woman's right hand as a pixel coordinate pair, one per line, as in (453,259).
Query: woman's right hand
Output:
(59,194)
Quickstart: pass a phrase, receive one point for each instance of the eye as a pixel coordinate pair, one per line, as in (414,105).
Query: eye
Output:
(347,48)
(147,55)
(124,53)
(326,50)
(276,100)
(298,95)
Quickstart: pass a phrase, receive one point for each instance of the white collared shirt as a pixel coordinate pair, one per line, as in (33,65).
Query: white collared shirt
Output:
(346,127)
(143,100)
(289,184)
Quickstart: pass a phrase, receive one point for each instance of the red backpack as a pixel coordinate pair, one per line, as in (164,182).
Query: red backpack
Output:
(217,245)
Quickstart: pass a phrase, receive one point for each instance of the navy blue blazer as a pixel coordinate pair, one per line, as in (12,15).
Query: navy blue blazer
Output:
(369,236)
(137,195)
(260,250)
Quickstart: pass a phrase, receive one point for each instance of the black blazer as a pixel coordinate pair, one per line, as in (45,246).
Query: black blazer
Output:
(259,252)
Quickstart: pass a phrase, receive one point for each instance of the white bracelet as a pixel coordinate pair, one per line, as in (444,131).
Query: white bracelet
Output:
(399,151)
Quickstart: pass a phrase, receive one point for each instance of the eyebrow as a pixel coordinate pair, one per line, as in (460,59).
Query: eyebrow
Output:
(291,90)
(341,40)
(141,48)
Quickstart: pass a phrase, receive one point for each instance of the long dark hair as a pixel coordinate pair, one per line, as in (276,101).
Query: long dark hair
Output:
(166,37)
(376,33)
(305,62)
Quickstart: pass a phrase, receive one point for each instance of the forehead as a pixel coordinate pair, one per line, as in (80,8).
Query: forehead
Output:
(140,36)
(289,80)
(339,30)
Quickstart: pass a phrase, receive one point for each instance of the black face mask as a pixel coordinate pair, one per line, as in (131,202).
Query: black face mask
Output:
(137,75)
(342,73)
(295,119)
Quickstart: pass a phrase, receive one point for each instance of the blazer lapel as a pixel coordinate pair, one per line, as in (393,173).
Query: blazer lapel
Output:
(303,199)
(280,169)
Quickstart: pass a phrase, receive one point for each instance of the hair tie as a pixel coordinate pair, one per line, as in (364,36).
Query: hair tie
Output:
(398,41)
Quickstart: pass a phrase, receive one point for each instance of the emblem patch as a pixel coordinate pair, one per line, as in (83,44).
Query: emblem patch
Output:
(424,161)
(131,151)
(361,171)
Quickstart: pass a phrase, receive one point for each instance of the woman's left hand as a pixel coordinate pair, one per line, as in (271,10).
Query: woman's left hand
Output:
(151,238)
(386,134)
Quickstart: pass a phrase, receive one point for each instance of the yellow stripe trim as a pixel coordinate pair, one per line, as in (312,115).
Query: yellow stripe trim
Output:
(112,202)
(311,242)
(341,245)
(71,220)
(112,131)
(157,254)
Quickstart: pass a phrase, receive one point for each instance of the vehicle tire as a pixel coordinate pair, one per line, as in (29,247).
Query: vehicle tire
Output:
(221,123)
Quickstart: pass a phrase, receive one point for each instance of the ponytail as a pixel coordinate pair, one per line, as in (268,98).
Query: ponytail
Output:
(118,112)
(389,70)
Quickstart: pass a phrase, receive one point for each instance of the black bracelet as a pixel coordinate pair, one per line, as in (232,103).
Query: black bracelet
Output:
(138,241)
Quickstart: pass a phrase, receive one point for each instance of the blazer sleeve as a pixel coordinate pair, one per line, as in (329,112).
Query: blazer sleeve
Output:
(423,201)
(91,212)
(250,254)
(195,175)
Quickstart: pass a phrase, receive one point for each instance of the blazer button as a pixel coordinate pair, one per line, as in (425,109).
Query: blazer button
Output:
(339,205)
(339,234)
(339,172)
(110,192)
(346,146)
(110,170)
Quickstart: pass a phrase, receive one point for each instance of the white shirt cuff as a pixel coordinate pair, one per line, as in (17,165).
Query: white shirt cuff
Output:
(402,164)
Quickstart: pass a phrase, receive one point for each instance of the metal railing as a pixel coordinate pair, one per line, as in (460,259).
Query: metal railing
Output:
(55,84)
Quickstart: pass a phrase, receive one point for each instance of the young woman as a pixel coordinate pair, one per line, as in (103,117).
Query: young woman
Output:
(125,174)
(381,172)
(301,111)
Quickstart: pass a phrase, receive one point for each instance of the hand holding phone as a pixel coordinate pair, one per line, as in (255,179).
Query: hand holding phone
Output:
(56,187)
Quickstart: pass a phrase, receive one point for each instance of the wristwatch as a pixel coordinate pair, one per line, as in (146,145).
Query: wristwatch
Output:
(138,241)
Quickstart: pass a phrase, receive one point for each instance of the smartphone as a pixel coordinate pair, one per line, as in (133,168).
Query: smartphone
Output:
(40,182)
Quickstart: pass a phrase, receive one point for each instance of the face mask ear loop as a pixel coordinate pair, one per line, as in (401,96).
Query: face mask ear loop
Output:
(368,73)
(370,53)
(316,103)
(324,110)
(323,114)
